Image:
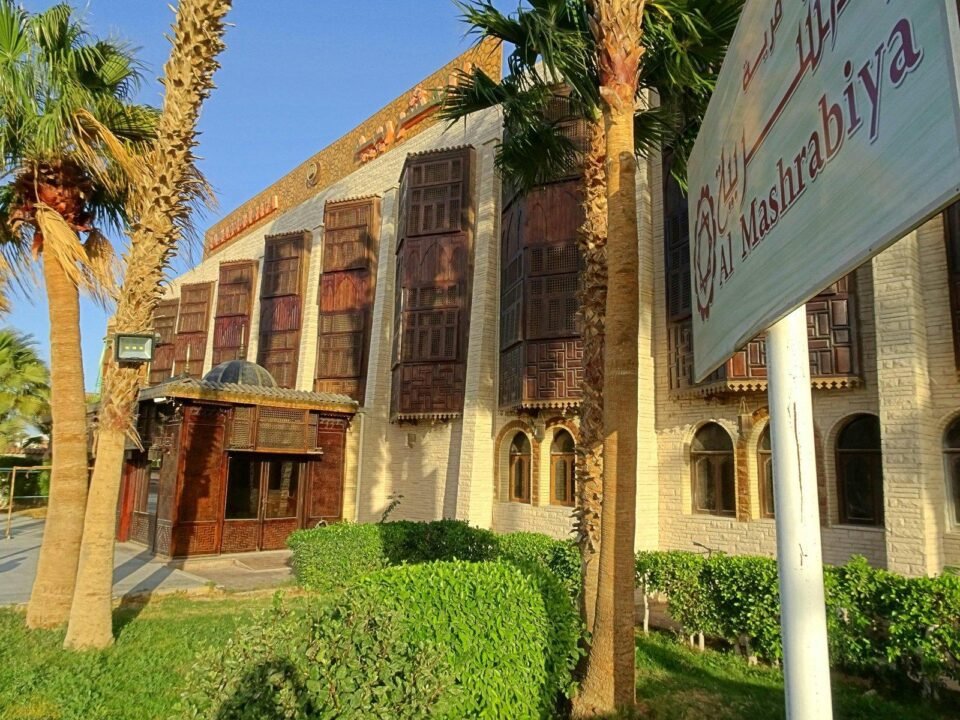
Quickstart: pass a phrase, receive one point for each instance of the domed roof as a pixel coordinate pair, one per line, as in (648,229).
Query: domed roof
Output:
(241,372)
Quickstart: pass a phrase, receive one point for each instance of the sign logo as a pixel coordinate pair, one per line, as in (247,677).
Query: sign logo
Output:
(705,252)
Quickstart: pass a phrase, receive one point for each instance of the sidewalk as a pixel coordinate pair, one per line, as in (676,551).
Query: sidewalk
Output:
(135,570)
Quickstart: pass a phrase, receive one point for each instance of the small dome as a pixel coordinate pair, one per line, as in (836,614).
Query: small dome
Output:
(240,372)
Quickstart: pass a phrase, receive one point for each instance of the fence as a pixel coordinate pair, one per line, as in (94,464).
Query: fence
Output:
(34,480)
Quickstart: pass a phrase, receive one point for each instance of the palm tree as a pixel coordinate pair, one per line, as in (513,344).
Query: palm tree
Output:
(24,388)
(596,48)
(69,136)
(159,207)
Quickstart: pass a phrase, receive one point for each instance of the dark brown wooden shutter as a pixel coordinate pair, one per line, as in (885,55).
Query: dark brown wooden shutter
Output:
(951,226)
(351,233)
(192,324)
(231,326)
(433,280)
(281,306)
(325,501)
(165,326)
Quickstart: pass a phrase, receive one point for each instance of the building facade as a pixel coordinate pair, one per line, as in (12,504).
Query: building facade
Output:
(392,286)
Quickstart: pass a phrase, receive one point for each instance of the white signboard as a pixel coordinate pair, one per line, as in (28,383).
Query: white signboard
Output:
(834,131)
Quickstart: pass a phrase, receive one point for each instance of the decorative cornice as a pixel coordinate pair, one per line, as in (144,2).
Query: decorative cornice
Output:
(736,387)
(250,217)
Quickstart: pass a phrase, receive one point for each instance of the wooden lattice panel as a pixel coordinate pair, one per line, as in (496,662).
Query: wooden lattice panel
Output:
(194,539)
(554,370)
(541,361)
(276,532)
(242,428)
(430,389)
(140,528)
(165,326)
(434,269)
(240,536)
(281,304)
(231,326)
(163,539)
(199,495)
(325,498)
(281,429)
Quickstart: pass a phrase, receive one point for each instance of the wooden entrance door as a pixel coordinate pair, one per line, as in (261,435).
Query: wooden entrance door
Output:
(263,502)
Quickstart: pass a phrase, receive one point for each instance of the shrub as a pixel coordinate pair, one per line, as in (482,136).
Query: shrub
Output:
(442,640)
(330,557)
(335,661)
(420,542)
(878,621)
(560,557)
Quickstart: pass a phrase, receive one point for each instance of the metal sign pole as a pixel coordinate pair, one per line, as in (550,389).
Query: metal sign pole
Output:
(806,663)
(13,481)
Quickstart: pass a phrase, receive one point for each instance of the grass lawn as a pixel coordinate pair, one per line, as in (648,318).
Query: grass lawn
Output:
(675,682)
(141,675)
(138,678)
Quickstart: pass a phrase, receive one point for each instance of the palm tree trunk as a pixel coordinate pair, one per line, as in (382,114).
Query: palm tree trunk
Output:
(159,209)
(593,298)
(610,679)
(53,586)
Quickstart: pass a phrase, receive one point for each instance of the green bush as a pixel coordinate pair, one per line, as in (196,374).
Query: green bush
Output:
(878,621)
(441,640)
(331,557)
(560,557)
(327,558)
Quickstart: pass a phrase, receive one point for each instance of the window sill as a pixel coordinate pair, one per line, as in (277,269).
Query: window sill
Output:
(861,528)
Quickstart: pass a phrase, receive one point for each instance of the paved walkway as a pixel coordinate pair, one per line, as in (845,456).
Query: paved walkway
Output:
(135,570)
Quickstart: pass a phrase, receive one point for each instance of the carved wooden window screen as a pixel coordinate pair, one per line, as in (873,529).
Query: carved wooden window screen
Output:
(191,342)
(194,308)
(231,327)
(434,195)
(347,236)
(552,306)
(243,428)
(282,269)
(282,428)
(165,326)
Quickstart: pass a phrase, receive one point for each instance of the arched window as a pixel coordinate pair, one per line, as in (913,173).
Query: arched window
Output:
(951,456)
(860,472)
(711,461)
(765,473)
(562,463)
(520,468)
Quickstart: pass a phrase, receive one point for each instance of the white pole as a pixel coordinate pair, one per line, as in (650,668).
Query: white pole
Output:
(803,622)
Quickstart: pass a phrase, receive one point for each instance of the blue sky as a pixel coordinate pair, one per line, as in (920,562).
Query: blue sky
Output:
(295,76)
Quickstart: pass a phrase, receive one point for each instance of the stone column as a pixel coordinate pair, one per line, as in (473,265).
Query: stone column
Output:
(913,494)
(475,491)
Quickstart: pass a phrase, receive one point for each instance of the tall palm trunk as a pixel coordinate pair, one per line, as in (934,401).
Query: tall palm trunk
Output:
(593,299)
(609,683)
(159,208)
(59,552)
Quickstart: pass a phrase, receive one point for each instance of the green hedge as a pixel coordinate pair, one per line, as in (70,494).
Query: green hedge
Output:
(328,558)
(878,621)
(442,640)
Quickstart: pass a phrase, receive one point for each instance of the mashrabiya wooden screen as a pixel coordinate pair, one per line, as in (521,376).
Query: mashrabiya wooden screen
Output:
(434,271)
(541,362)
(231,325)
(192,325)
(351,233)
(165,327)
(284,267)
